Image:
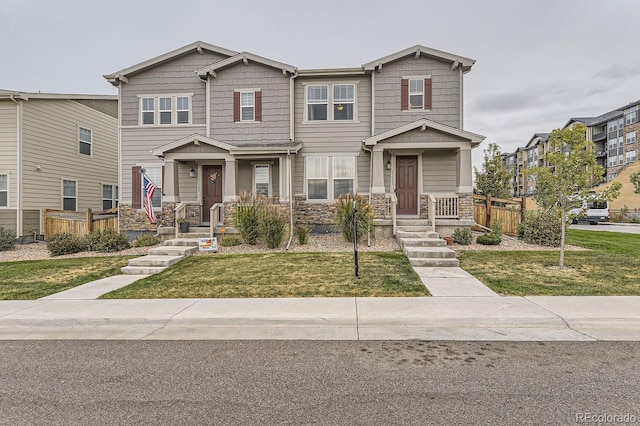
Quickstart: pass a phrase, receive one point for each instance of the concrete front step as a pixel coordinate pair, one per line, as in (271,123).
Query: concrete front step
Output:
(155,261)
(407,228)
(429,252)
(142,270)
(411,234)
(183,251)
(421,261)
(412,222)
(422,242)
(193,235)
(182,242)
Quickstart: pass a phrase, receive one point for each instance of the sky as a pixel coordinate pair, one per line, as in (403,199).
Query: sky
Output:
(539,62)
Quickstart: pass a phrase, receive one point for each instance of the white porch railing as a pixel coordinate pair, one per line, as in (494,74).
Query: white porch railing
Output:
(431,211)
(446,206)
(439,206)
(216,216)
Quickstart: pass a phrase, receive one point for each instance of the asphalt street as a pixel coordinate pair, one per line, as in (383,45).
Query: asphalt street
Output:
(294,382)
(611,227)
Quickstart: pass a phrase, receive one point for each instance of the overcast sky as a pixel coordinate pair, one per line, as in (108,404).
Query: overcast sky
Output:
(539,62)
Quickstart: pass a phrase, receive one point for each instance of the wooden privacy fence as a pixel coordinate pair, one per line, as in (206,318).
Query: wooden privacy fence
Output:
(487,210)
(78,223)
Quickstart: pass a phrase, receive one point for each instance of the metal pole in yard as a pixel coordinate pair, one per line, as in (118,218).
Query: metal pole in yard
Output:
(355,238)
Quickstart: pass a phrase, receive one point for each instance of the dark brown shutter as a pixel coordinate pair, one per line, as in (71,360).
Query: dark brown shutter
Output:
(258,101)
(427,93)
(404,95)
(162,180)
(236,106)
(136,188)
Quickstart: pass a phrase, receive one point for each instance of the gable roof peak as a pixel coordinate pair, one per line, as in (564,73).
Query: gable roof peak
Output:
(417,51)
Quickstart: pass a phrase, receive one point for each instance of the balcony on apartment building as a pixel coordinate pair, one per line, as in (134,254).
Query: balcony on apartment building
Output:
(600,136)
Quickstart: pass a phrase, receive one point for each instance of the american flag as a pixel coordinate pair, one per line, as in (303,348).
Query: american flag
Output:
(149,190)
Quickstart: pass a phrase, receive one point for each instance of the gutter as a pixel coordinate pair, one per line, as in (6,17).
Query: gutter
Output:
(291,109)
(208,106)
(18,166)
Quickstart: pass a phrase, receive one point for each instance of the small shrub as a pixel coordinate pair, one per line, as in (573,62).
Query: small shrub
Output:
(489,239)
(107,241)
(462,236)
(7,239)
(302,234)
(496,227)
(230,241)
(146,240)
(273,225)
(248,217)
(344,207)
(62,244)
(542,227)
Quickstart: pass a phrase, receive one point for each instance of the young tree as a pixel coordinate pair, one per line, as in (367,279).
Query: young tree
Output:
(495,178)
(635,180)
(571,171)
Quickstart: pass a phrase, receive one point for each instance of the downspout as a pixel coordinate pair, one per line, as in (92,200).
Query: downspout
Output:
(18,166)
(120,152)
(290,199)
(461,99)
(291,109)
(208,106)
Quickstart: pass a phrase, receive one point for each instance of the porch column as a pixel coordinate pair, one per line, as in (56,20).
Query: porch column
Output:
(283,178)
(171,185)
(377,172)
(464,180)
(230,171)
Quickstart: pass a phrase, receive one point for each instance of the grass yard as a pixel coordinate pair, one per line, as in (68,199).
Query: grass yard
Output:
(611,267)
(280,275)
(32,279)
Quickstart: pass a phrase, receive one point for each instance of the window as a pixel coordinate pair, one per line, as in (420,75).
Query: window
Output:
(148,110)
(631,137)
(631,156)
(84,135)
(69,195)
(317,178)
(630,116)
(247,106)
(416,94)
(317,102)
(4,190)
(261,179)
(182,109)
(155,174)
(343,175)
(109,197)
(165,110)
(343,101)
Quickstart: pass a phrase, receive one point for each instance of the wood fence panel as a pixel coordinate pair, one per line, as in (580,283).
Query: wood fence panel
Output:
(487,210)
(77,223)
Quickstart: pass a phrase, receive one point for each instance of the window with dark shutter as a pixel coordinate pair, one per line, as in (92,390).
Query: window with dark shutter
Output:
(136,188)
(258,101)
(236,106)
(404,96)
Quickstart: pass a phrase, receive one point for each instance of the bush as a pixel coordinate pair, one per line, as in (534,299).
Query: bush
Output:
(7,239)
(344,207)
(489,239)
(302,234)
(107,241)
(248,217)
(62,244)
(462,236)
(273,225)
(230,241)
(542,227)
(146,240)
(496,227)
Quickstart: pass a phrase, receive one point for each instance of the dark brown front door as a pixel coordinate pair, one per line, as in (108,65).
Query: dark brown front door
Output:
(407,184)
(211,189)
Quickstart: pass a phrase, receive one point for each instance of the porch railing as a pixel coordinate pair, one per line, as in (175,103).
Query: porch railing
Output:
(446,206)
(216,216)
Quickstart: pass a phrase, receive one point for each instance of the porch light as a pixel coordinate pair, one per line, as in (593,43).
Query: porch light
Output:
(389,164)
(192,173)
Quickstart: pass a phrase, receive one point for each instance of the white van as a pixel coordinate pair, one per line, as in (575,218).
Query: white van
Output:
(593,211)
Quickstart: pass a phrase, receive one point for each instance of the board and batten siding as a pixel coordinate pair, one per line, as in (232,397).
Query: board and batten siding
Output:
(8,148)
(176,76)
(274,86)
(333,137)
(445,93)
(50,140)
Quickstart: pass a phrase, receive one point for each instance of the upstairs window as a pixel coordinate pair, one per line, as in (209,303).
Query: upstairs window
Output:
(415,93)
(330,102)
(630,116)
(343,101)
(182,109)
(165,110)
(148,110)
(85,141)
(317,101)
(4,190)
(247,105)
(631,137)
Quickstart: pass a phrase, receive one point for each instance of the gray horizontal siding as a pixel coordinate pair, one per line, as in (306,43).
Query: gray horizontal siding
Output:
(31,222)
(50,139)
(8,219)
(245,176)
(187,184)
(445,91)
(8,146)
(104,106)
(439,171)
(177,76)
(275,104)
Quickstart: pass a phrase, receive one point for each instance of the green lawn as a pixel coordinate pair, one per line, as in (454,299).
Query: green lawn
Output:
(32,279)
(280,275)
(611,267)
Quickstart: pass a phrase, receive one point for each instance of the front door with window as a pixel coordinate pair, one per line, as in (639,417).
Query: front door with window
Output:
(407,184)
(211,189)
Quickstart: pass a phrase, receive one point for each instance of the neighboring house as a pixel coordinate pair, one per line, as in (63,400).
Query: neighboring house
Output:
(207,124)
(57,151)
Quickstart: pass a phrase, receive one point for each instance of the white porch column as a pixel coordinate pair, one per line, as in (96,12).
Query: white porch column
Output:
(283,177)
(464,181)
(230,171)
(377,172)
(171,186)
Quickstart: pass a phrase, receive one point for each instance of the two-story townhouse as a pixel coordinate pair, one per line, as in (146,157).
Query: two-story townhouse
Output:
(57,151)
(207,124)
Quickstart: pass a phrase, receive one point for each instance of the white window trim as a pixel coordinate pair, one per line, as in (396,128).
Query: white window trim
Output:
(415,77)
(156,111)
(159,188)
(63,196)
(170,110)
(7,190)
(90,143)
(113,194)
(305,117)
(178,110)
(253,106)
(269,189)
(330,178)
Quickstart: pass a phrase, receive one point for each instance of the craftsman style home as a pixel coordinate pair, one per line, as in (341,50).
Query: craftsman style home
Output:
(207,124)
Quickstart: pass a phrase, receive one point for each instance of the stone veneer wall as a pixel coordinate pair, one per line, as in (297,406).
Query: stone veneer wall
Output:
(314,213)
(465,206)
(378,205)
(231,209)
(424,206)
(137,220)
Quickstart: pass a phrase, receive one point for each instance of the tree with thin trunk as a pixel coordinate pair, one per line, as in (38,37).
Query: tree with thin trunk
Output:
(571,170)
(495,178)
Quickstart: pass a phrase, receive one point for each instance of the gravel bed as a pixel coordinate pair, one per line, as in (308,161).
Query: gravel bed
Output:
(38,251)
(508,244)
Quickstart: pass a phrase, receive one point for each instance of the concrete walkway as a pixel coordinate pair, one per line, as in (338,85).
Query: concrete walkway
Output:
(95,289)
